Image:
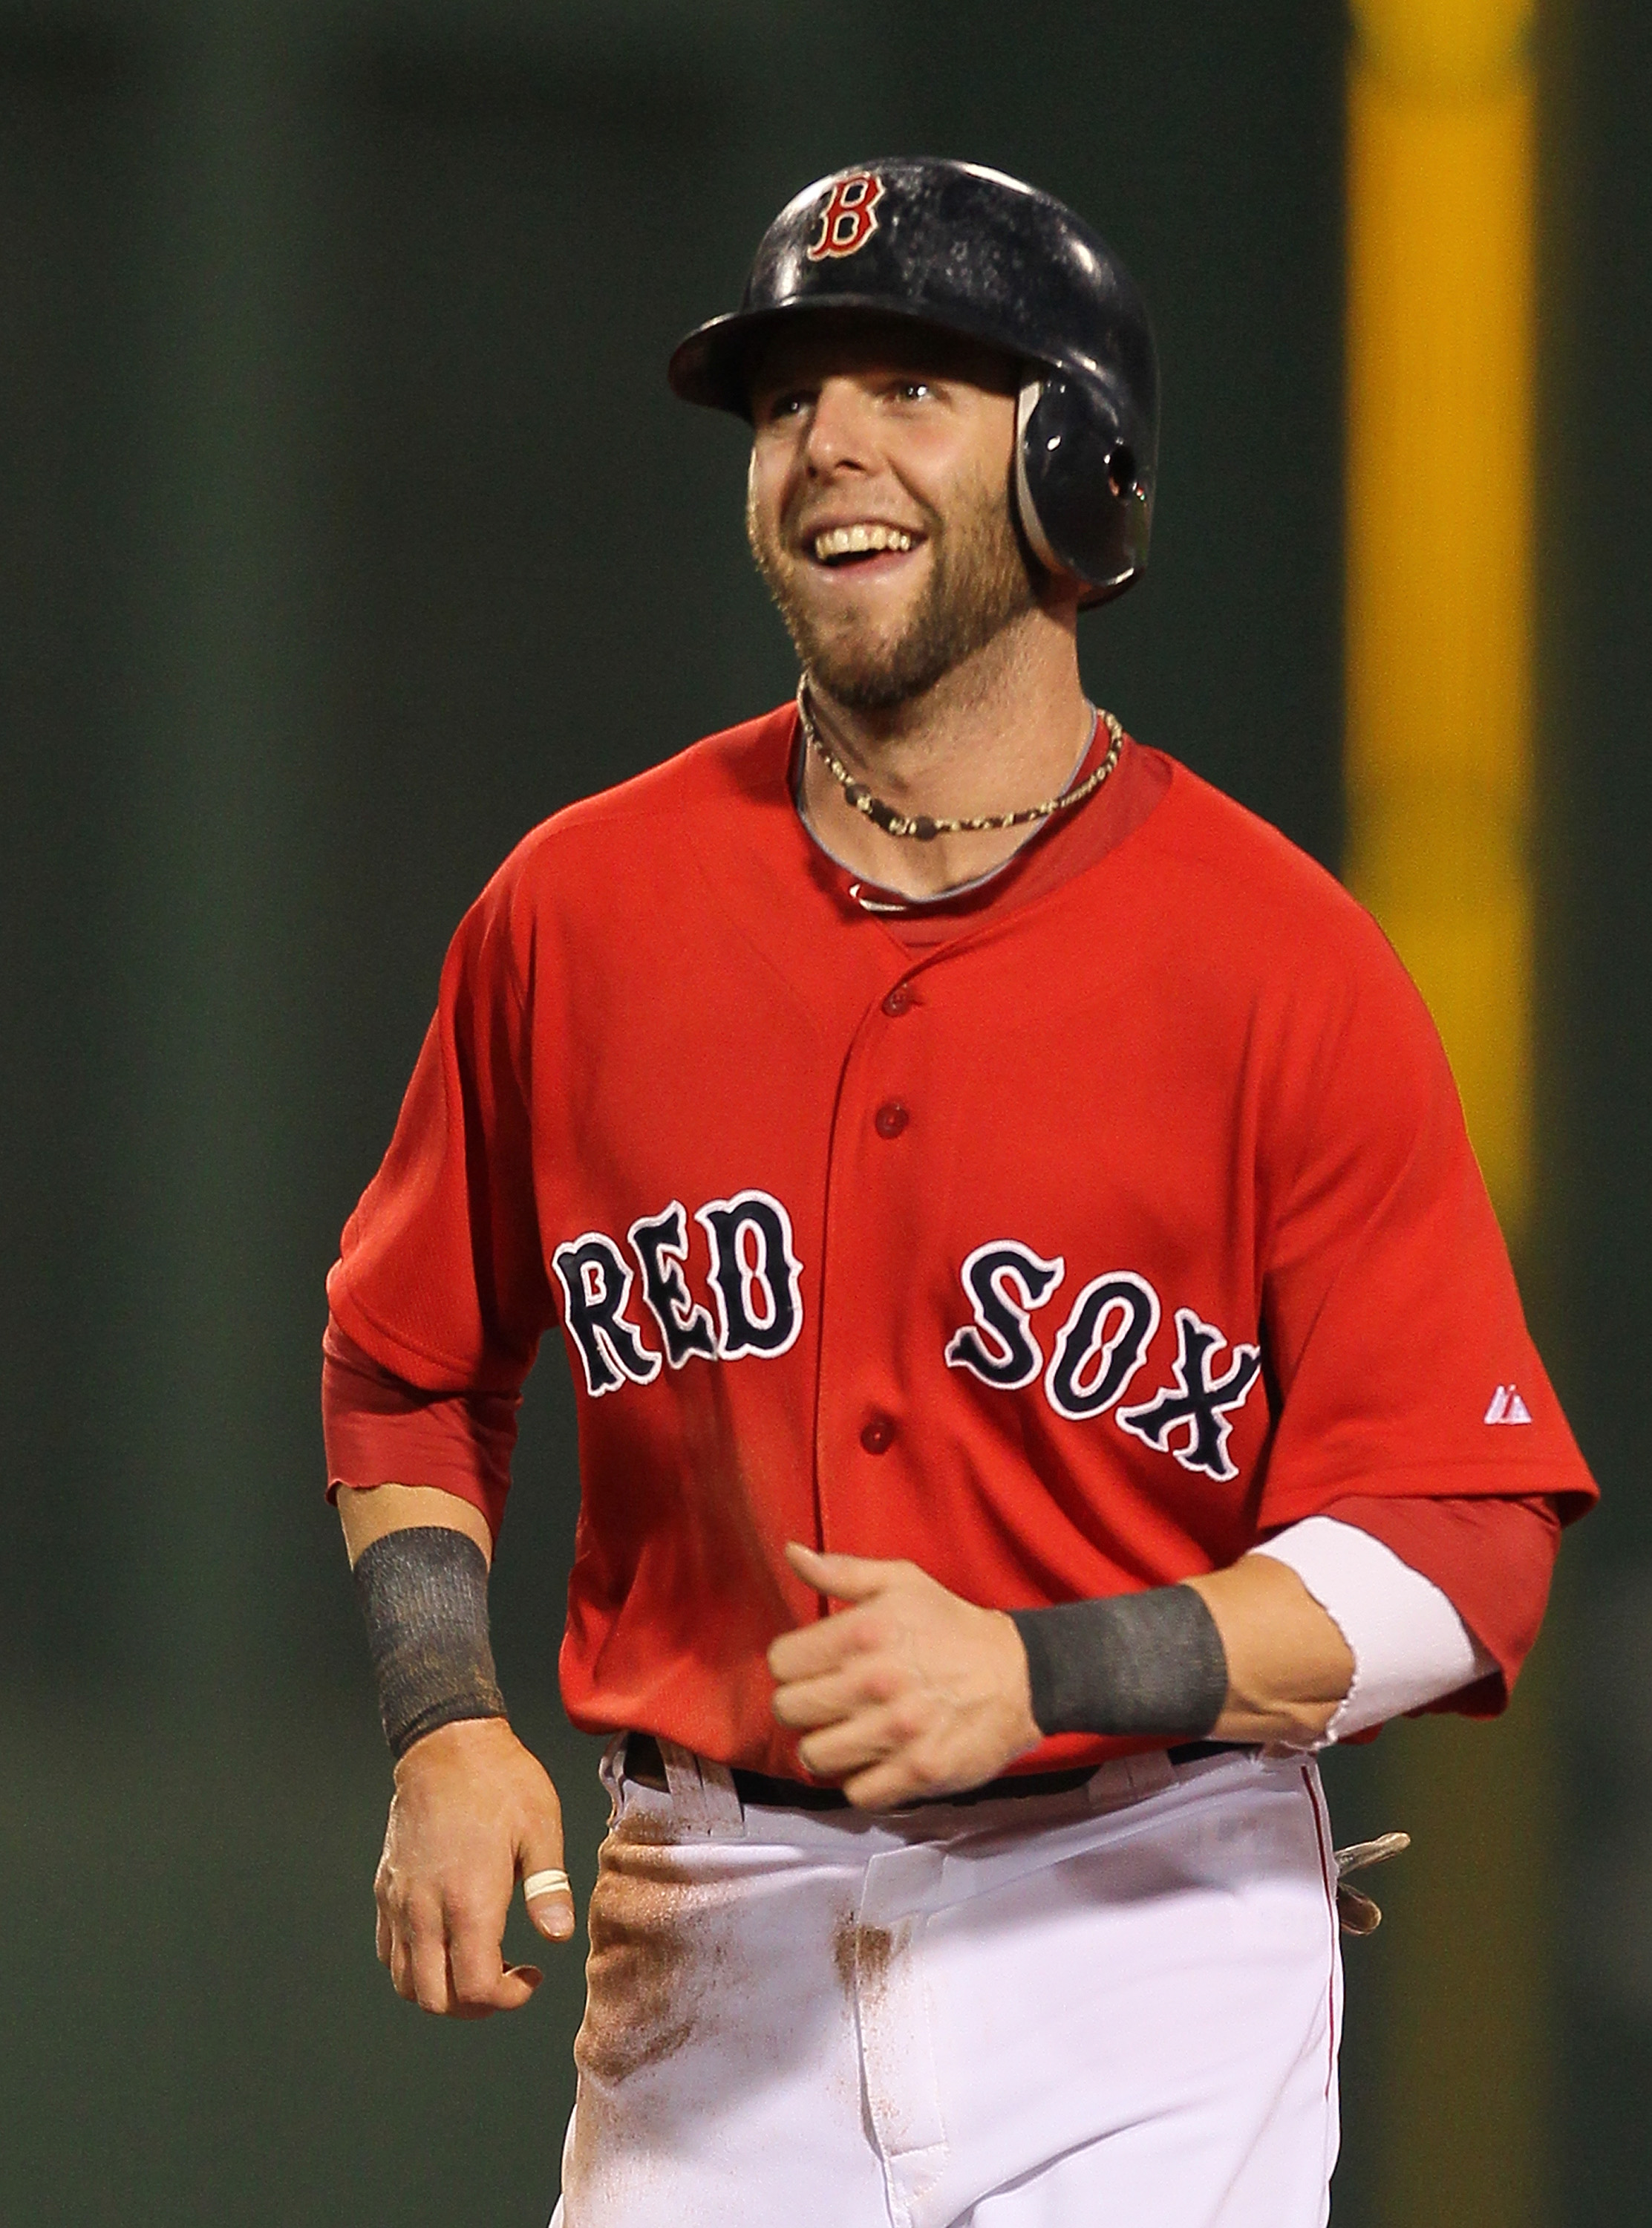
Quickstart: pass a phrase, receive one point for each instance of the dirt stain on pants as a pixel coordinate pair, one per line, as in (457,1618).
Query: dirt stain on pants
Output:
(650,1967)
(862,1954)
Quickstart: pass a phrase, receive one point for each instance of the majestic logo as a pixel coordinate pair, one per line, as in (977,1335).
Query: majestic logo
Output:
(756,1290)
(850,217)
(1508,1407)
(1098,1351)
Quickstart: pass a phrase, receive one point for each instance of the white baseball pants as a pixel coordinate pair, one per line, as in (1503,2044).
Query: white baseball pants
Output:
(1112,2008)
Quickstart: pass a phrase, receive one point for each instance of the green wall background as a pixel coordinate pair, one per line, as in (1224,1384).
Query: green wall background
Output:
(348,529)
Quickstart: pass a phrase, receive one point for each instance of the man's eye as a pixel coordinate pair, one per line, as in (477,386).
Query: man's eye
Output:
(786,406)
(915,390)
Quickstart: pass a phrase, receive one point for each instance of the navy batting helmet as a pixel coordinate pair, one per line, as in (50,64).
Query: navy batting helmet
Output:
(973,252)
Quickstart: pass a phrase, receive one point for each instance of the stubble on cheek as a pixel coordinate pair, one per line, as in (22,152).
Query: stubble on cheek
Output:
(978,582)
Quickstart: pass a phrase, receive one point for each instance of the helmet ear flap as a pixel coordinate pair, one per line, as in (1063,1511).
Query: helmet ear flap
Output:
(1083,496)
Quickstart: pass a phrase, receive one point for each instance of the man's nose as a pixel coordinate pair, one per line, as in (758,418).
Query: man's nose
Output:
(840,428)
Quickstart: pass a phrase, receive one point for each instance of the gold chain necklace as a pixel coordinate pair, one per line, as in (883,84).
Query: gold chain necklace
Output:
(920,825)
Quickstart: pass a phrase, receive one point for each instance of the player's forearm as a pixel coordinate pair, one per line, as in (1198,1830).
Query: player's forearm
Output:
(368,1515)
(1289,1667)
(420,1561)
(473,1811)
(1245,1655)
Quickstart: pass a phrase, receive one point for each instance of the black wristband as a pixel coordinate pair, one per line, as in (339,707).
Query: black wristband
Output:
(424,1592)
(1134,1663)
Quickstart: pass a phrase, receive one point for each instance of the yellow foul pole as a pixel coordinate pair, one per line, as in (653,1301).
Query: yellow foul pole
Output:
(1439,534)
(1439,794)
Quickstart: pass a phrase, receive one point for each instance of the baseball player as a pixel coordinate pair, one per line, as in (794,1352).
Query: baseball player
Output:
(1046,1362)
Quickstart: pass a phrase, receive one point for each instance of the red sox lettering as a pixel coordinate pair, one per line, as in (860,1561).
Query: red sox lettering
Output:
(1098,1350)
(755,1289)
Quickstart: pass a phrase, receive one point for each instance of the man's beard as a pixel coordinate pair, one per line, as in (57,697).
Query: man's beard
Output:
(978,582)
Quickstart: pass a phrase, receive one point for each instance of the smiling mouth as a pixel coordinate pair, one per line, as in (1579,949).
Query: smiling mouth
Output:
(839,547)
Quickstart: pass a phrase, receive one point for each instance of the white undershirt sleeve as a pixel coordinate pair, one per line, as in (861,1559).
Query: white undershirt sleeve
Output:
(1408,1643)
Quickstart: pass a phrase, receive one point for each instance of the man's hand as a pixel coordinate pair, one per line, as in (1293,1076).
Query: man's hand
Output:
(909,1692)
(473,1813)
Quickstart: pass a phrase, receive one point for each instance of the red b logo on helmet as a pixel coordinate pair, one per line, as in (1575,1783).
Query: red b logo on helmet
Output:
(850,218)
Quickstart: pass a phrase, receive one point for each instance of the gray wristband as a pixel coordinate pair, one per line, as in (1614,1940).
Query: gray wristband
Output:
(1134,1663)
(424,1592)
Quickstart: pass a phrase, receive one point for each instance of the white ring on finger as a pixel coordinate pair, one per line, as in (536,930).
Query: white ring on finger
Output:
(545,1883)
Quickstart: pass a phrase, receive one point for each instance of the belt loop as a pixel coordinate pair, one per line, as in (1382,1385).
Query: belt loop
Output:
(611,1772)
(703,1799)
(726,1812)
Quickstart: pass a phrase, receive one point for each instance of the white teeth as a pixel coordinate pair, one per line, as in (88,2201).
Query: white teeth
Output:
(856,541)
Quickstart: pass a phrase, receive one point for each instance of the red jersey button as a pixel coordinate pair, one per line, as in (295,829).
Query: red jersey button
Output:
(877,1434)
(890,1119)
(899,1000)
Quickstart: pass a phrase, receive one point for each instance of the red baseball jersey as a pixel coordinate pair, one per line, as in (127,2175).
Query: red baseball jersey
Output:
(1066,1251)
